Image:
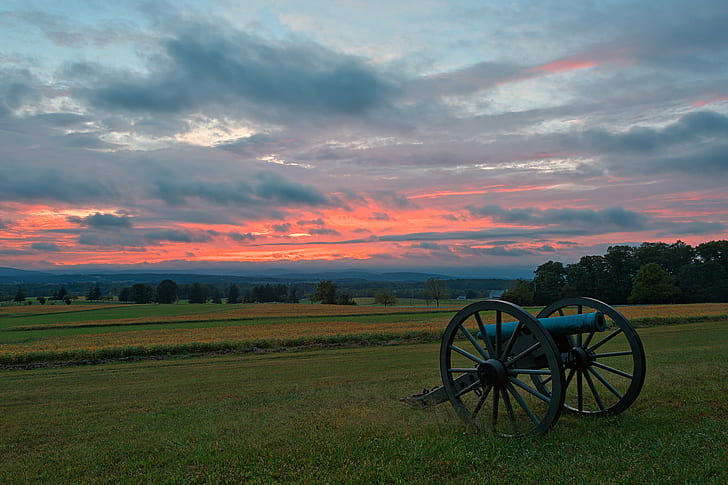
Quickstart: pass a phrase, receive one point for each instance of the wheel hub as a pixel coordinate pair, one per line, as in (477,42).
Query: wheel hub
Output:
(492,372)
(579,358)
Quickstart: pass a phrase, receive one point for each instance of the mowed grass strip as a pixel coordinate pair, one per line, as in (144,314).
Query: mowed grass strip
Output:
(162,314)
(334,417)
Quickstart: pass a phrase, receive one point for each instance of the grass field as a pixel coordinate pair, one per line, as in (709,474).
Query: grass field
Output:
(332,415)
(62,333)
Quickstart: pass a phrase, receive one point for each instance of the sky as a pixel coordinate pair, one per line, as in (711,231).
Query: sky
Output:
(470,137)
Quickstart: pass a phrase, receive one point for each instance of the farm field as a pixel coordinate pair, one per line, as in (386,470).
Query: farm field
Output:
(333,416)
(51,333)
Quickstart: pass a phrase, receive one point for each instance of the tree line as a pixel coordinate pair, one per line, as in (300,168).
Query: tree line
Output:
(653,272)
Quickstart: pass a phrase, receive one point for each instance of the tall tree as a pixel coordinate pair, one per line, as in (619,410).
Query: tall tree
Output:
(588,277)
(549,283)
(167,292)
(325,292)
(142,293)
(652,284)
(233,295)
(436,289)
(94,294)
(621,268)
(19,295)
(384,298)
(198,293)
(521,294)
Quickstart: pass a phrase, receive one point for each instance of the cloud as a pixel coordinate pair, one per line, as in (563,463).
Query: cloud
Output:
(612,216)
(204,65)
(181,236)
(103,221)
(52,184)
(45,246)
(692,127)
(282,228)
(274,188)
(264,189)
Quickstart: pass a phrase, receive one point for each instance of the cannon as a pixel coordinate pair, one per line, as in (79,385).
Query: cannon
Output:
(507,372)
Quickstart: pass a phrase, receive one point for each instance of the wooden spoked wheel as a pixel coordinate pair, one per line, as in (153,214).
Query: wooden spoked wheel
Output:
(487,373)
(604,371)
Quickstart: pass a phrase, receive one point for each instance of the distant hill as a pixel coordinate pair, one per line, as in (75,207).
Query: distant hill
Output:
(18,276)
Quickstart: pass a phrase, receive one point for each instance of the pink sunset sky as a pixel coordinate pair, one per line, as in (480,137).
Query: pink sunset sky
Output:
(451,136)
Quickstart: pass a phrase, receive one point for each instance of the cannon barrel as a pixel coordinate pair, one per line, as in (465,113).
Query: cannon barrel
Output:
(565,325)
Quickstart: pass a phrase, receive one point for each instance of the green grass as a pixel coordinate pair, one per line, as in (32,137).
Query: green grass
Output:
(333,416)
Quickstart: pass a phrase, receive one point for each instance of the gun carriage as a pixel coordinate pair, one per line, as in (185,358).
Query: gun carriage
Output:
(507,372)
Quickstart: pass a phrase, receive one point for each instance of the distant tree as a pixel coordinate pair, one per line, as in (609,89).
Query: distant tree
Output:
(345,299)
(60,294)
(652,284)
(167,292)
(68,300)
(198,293)
(141,293)
(125,294)
(715,251)
(215,294)
(41,300)
(549,283)
(521,294)
(588,277)
(621,268)
(325,293)
(436,289)
(670,257)
(19,295)
(233,295)
(384,298)
(94,294)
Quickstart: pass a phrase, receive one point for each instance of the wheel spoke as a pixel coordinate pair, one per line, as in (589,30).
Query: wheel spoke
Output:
(613,354)
(579,390)
(523,354)
(569,377)
(481,327)
(606,383)
(588,340)
(605,340)
(509,409)
(494,416)
(511,340)
(522,403)
(467,354)
(594,391)
(612,370)
(529,389)
(474,341)
(481,401)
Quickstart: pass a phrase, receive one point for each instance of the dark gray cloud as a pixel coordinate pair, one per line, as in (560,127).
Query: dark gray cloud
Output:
(323,231)
(691,128)
(53,184)
(241,237)
(263,189)
(202,65)
(175,235)
(102,221)
(283,228)
(612,216)
(274,188)
(45,246)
